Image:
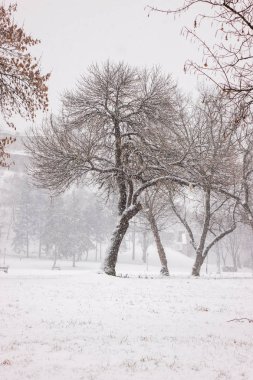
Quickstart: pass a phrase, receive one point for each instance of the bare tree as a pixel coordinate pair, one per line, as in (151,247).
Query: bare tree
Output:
(244,195)
(228,61)
(205,235)
(155,210)
(117,130)
(212,162)
(234,250)
(145,241)
(143,235)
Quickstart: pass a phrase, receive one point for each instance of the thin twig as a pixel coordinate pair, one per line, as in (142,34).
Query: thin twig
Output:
(241,319)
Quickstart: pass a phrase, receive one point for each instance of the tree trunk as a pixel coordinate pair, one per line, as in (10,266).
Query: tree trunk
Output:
(55,257)
(74,260)
(111,255)
(164,270)
(251,255)
(239,265)
(39,246)
(27,244)
(133,241)
(218,256)
(224,258)
(198,264)
(79,256)
(199,252)
(144,247)
(87,254)
(234,258)
(120,177)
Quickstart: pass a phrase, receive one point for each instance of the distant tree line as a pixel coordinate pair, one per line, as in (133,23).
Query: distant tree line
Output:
(64,227)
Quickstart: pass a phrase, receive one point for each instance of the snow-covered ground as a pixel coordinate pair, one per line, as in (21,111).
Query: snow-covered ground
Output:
(76,324)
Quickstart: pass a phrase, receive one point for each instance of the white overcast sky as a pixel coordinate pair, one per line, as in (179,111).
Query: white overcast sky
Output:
(76,33)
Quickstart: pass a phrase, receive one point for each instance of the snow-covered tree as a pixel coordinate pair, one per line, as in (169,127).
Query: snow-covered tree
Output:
(155,210)
(212,161)
(117,130)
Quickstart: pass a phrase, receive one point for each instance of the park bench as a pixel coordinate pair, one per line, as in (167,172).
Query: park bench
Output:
(56,268)
(4,269)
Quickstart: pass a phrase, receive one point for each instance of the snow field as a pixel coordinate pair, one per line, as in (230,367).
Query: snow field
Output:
(81,325)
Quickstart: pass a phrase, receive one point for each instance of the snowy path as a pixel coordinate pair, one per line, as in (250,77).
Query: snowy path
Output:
(86,326)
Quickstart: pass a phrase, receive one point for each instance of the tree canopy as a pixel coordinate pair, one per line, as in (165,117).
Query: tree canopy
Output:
(228,61)
(23,87)
(119,129)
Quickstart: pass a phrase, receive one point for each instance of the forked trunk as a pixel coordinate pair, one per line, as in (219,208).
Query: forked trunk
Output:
(198,264)
(111,255)
(162,256)
(202,251)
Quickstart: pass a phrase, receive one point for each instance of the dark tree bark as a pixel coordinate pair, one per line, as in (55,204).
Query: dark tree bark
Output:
(164,270)
(118,164)
(117,237)
(201,254)
(202,249)
(198,263)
